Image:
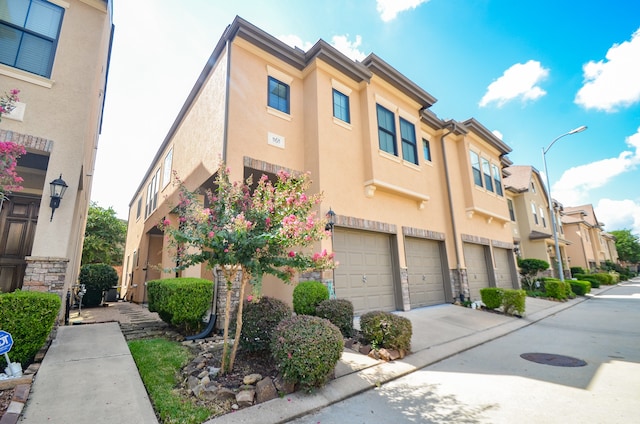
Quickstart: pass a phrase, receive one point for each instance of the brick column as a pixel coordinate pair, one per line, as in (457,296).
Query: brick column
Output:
(45,274)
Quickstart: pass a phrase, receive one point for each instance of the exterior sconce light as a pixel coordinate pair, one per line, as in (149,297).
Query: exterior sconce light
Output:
(331,220)
(58,187)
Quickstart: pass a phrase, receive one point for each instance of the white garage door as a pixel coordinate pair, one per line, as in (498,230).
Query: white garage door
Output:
(424,266)
(504,278)
(476,269)
(365,271)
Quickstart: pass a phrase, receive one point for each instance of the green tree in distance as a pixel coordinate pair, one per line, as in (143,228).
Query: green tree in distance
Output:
(627,245)
(104,237)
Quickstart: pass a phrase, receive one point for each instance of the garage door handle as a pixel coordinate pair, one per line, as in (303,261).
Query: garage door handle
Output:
(364,279)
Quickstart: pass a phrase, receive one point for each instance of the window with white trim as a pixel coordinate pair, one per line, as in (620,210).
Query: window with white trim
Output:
(386,130)
(512,212)
(408,136)
(341,106)
(278,96)
(486,169)
(544,220)
(29,31)
(426,150)
(497,178)
(152,194)
(166,168)
(475,168)
(535,213)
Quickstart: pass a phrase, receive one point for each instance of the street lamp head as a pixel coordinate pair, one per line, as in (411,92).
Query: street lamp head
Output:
(577,130)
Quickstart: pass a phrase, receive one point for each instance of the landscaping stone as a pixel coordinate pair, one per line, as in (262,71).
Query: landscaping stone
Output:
(252,379)
(265,390)
(244,398)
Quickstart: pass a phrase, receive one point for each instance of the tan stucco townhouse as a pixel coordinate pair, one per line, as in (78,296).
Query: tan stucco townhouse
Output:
(532,228)
(591,247)
(57,54)
(421,213)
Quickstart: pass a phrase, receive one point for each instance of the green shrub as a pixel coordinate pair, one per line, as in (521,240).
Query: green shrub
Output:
(491,297)
(556,289)
(259,319)
(605,278)
(306,349)
(577,270)
(181,302)
(339,312)
(29,317)
(529,269)
(513,301)
(595,281)
(580,287)
(307,295)
(96,279)
(384,329)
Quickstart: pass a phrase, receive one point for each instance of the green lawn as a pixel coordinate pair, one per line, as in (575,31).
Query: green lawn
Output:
(159,362)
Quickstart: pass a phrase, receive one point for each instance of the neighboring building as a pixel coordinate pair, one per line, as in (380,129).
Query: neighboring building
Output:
(57,54)
(421,212)
(590,247)
(528,204)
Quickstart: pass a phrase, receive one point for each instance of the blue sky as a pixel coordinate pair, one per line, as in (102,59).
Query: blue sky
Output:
(529,71)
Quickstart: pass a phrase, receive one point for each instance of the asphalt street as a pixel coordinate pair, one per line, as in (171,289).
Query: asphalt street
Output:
(492,383)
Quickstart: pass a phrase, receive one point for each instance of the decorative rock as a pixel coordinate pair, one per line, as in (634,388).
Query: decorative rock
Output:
(197,390)
(235,407)
(203,373)
(282,386)
(265,390)
(245,397)
(252,379)
(192,382)
(394,354)
(384,354)
(205,380)
(224,393)
(374,354)
(365,349)
(213,372)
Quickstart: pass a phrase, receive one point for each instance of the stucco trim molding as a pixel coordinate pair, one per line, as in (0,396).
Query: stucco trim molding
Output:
(489,216)
(502,244)
(475,239)
(263,166)
(365,224)
(422,233)
(371,186)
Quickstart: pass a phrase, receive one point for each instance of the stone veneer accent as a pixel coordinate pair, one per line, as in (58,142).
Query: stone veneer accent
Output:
(28,141)
(460,283)
(45,274)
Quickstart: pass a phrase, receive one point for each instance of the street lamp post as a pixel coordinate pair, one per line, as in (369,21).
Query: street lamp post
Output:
(551,211)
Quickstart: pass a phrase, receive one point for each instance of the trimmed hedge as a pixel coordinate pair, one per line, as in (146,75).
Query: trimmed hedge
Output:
(491,297)
(557,289)
(580,287)
(181,302)
(513,301)
(306,349)
(96,279)
(29,317)
(384,329)
(339,312)
(259,320)
(307,295)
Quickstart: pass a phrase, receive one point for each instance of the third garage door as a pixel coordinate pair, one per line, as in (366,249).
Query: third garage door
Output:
(365,271)
(504,278)
(477,272)
(426,277)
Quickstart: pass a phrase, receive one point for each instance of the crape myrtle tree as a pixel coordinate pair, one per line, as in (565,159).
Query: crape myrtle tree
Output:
(248,233)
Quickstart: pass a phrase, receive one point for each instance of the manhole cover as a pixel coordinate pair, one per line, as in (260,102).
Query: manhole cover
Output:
(553,359)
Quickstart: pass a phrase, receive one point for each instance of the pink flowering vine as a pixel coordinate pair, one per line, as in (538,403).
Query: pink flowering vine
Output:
(8,102)
(9,178)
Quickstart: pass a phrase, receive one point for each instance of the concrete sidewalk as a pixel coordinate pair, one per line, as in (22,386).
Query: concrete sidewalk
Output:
(88,374)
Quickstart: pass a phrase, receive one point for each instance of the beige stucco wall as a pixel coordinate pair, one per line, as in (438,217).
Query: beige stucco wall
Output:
(66,109)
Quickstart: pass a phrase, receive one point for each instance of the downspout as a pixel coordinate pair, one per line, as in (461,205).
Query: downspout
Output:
(226,104)
(452,126)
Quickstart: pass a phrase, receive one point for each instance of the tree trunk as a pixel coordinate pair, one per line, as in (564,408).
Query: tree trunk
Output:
(229,275)
(245,278)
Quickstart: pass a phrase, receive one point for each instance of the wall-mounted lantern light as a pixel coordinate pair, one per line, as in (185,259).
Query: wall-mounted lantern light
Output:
(58,187)
(331,220)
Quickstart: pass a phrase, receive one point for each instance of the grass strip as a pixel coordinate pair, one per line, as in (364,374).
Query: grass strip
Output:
(159,362)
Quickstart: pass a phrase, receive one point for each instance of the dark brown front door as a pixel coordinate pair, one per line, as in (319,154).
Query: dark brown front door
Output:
(18,220)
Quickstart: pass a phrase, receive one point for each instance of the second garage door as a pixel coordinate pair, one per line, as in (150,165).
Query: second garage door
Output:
(365,271)
(504,278)
(477,272)
(424,265)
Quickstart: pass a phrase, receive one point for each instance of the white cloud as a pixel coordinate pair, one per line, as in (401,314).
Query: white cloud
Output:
(295,41)
(613,82)
(389,9)
(619,214)
(574,185)
(350,49)
(340,42)
(498,134)
(519,81)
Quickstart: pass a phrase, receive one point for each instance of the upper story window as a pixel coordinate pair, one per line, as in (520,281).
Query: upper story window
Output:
(426,150)
(544,220)
(497,178)
(533,187)
(488,181)
(278,95)
(512,212)
(166,168)
(408,135)
(475,168)
(535,213)
(341,106)
(386,130)
(152,194)
(139,208)
(29,31)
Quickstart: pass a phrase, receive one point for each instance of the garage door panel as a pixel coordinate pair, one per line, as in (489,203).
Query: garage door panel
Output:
(477,272)
(503,268)
(365,273)
(425,272)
